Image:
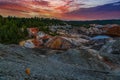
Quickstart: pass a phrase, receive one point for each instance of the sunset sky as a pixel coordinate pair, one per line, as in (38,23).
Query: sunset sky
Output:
(62,9)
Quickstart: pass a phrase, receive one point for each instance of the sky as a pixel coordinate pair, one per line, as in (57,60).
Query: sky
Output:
(62,9)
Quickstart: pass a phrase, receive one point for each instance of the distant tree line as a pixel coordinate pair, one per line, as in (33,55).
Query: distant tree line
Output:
(13,29)
(86,23)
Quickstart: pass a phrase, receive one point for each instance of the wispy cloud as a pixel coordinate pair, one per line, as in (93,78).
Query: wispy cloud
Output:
(53,8)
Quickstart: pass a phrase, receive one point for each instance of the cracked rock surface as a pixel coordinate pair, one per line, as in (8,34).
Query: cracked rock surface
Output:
(45,64)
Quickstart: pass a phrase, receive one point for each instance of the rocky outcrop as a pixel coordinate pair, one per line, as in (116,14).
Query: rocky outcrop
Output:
(19,63)
(111,55)
(112,51)
(83,58)
(91,31)
(97,44)
(114,31)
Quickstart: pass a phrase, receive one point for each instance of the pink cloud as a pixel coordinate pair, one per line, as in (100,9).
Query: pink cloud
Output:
(62,9)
